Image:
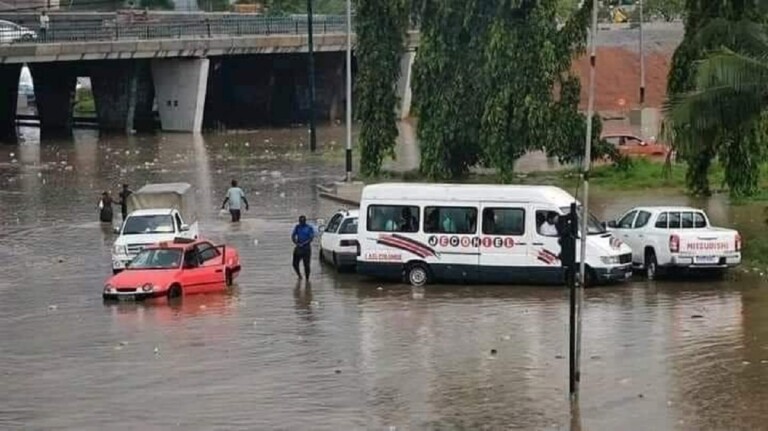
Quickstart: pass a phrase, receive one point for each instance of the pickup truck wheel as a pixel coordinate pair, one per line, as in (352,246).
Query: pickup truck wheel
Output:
(335,261)
(174,292)
(651,264)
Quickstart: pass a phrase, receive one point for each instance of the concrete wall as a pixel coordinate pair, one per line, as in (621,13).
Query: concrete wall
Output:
(180,89)
(123,93)
(9,87)
(55,95)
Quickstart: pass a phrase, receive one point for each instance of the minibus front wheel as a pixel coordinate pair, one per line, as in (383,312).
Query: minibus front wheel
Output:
(417,274)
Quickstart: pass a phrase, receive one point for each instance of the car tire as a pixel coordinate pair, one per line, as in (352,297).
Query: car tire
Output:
(417,274)
(228,278)
(174,292)
(651,264)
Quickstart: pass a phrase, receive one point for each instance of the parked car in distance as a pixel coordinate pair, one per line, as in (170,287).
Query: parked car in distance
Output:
(632,145)
(338,240)
(11,32)
(676,237)
(175,268)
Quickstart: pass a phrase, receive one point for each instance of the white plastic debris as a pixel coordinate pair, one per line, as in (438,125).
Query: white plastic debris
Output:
(157,350)
(53,307)
(255,242)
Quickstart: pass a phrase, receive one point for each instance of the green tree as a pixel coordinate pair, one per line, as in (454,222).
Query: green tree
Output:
(380,27)
(213,5)
(717,91)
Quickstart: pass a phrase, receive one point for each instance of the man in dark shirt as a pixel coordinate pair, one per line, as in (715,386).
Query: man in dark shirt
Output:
(124,200)
(302,237)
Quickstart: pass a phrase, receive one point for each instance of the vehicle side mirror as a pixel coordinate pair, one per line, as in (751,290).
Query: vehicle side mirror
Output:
(611,223)
(184,228)
(116,230)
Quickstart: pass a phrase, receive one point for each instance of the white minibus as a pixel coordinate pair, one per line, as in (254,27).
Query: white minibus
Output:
(457,233)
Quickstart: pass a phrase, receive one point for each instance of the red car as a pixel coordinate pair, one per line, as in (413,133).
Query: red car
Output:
(173,269)
(632,145)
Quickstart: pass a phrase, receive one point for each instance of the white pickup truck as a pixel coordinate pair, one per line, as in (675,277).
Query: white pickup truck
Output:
(676,237)
(157,213)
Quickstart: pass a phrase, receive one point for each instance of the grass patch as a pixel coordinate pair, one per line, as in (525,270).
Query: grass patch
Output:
(84,103)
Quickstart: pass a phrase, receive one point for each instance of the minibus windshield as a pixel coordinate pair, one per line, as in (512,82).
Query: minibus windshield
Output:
(594,227)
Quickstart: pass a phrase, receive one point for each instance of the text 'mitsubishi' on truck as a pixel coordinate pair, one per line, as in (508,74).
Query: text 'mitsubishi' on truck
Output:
(156,213)
(476,234)
(664,238)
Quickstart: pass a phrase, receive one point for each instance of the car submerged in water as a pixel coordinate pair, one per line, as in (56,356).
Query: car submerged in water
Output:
(173,269)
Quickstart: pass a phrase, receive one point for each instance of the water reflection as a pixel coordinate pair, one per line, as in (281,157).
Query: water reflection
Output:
(343,352)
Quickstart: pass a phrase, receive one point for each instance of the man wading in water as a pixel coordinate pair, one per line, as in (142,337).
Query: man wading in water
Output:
(302,237)
(234,196)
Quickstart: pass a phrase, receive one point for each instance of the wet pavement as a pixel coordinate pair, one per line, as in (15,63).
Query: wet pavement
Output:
(341,354)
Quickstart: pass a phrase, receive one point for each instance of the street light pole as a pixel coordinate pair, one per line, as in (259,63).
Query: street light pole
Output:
(312,132)
(349,92)
(642,59)
(583,230)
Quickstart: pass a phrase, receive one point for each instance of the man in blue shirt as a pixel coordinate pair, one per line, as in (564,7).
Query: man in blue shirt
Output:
(302,237)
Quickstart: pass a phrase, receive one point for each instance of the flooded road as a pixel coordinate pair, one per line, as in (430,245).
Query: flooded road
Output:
(342,354)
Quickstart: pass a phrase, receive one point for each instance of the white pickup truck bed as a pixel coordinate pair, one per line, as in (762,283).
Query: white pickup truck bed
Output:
(676,237)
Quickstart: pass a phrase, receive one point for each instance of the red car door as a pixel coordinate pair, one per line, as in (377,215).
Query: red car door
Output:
(212,261)
(195,276)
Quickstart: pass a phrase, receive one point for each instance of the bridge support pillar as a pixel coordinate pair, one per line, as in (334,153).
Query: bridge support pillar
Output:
(123,94)
(9,89)
(54,95)
(404,84)
(180,89)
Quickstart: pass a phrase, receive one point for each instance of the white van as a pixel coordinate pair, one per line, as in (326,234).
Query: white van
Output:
(475,233)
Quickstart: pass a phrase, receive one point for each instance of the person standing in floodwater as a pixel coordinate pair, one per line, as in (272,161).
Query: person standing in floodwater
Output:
(235,196)
(124,200)
(302,237)
(105,208)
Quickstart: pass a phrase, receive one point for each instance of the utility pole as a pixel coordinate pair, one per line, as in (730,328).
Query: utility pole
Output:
(349,92)
(642,59)
(312,131)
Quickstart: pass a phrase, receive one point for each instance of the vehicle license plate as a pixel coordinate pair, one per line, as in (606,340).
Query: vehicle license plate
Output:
(707,259)
(127,297)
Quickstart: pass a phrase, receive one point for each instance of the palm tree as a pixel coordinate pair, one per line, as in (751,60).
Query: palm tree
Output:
(723,115)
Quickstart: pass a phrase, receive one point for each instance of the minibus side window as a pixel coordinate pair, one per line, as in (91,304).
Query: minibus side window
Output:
(393,218)
(504,221)
(460,220)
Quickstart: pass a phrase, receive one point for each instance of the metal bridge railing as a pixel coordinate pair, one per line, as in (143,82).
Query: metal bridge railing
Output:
(116,27)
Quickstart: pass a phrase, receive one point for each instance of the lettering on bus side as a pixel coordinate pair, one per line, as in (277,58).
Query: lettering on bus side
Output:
(455,241)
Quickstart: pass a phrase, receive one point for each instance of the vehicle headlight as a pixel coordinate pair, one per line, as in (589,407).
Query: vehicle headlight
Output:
(108,288)
(610,260)
(148,287)
(119,249)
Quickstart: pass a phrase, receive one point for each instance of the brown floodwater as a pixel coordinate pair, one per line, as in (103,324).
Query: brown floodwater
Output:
(342,354)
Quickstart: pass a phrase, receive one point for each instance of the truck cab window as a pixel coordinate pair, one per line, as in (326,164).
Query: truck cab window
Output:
(642,219)
(674,220)
(333,225)
(661,222)
(178,223)
(699,222)
(626,221)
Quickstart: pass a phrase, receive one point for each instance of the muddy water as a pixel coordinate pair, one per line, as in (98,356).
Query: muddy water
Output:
(341,354)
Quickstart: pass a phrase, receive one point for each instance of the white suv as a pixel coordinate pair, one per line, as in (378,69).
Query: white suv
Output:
(338,239)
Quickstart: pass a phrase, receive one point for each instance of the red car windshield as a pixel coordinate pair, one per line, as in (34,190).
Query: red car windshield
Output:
(157,258)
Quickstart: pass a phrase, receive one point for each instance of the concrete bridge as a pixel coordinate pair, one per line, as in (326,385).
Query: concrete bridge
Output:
(194,69)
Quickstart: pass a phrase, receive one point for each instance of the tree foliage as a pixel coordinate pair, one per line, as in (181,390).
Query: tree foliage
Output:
(486,84)
(718,92)
(668,10)
(380,27)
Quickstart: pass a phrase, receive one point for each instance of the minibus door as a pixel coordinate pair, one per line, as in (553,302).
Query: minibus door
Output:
(503,245)
(544,252)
